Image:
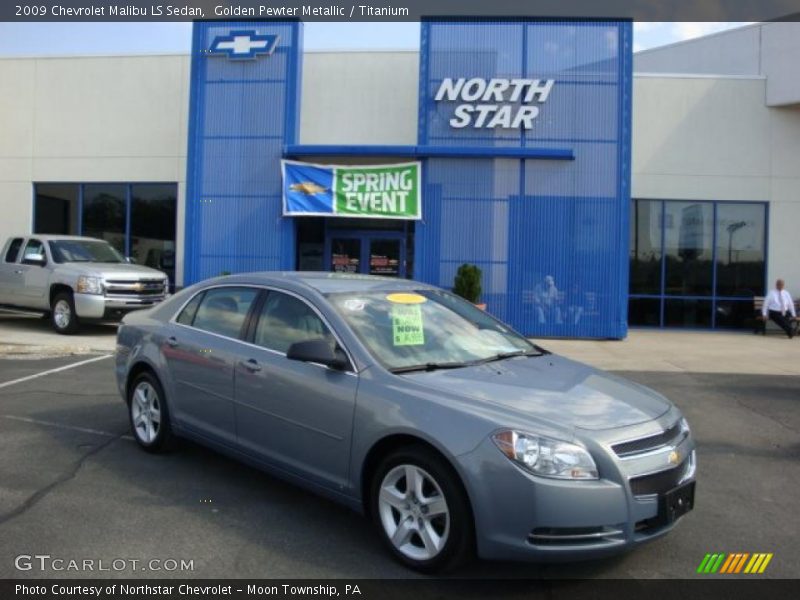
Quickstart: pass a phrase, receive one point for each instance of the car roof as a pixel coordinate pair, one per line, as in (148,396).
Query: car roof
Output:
(325,282)
(50,236)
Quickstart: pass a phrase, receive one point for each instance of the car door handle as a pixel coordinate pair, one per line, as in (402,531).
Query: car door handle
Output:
(172,342)
(251,365)
(18,271)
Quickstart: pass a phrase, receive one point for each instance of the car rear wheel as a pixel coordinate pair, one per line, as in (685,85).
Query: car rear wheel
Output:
(149,416)
(421,510)
(62,314)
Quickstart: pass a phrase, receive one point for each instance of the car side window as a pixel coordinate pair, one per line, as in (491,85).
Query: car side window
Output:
(223,310)
(285,320)
(33,248)
(190,310)
(13,250)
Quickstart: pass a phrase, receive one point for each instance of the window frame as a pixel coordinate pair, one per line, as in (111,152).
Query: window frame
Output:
(247,316)
(248,328)
(257,314)
(28,241)
(128,201)
(713,297)
(17,253)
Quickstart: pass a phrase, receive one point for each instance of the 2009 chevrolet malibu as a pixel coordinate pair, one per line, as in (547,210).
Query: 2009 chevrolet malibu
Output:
(451,431)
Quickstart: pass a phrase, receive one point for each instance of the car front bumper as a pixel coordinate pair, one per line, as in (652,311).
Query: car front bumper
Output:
(520,516)
(93,306)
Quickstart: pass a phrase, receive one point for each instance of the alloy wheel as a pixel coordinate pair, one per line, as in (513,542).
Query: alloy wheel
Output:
(62,314)
(146,412)
(413,512)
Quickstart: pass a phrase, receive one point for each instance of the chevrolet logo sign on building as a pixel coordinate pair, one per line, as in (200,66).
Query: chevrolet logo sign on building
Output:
(244,44)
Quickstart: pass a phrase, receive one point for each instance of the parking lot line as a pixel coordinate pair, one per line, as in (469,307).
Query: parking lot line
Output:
(59,369)
(63,426)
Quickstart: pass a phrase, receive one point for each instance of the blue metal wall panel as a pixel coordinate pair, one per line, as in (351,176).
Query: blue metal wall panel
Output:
(523,220)
(242,113)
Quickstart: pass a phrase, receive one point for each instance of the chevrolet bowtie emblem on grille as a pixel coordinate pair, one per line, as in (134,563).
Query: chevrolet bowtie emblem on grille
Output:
(673,458)
(138,287)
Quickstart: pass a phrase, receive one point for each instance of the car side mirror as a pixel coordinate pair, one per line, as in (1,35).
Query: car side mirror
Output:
(318,351)
(130,260)
(35,259)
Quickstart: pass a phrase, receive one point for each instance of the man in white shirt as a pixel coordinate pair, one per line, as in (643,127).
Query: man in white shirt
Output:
(778,305)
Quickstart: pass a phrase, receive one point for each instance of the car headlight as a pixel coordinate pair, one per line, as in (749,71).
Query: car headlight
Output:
(90,285)
(545,456)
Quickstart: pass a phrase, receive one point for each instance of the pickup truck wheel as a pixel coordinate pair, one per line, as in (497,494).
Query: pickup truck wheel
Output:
(62,314)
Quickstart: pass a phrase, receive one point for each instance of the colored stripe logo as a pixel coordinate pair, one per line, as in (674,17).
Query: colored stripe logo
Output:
(737,562)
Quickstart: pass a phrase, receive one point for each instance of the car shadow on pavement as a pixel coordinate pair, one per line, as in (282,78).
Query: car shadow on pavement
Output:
(34,330)
(231,519)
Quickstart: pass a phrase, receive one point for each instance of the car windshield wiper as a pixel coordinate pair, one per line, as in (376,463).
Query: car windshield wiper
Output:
(431,366)
(505,355)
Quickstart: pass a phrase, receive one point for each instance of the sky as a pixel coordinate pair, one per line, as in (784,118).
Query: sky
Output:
(53,39)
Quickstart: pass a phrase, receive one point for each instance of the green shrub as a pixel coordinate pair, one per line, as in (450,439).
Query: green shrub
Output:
(468,283)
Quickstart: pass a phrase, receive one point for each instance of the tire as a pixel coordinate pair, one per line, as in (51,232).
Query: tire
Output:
(148,414)
(62,314)
(423,541)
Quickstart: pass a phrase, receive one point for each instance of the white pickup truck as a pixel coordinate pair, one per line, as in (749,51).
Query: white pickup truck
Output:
(74,279)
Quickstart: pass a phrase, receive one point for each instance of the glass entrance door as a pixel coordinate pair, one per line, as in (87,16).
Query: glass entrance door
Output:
(385,257)
(368,252)
(344,255)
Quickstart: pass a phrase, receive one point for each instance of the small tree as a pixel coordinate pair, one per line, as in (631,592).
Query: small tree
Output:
(468,283)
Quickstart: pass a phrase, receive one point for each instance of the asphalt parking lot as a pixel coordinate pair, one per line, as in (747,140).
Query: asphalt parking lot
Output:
(74,485)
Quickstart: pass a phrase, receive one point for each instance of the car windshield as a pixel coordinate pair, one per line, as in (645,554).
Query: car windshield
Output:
(427,330)
(67,251)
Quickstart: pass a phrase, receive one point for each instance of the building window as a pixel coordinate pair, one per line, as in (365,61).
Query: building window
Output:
(138,219)
(104,214)
(56,208)
(152,229)
(696,264)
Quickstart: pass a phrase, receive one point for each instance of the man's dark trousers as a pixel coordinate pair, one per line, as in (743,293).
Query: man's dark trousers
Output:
(782,321)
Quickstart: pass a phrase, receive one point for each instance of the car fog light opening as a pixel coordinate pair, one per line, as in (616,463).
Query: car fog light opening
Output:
(546,456)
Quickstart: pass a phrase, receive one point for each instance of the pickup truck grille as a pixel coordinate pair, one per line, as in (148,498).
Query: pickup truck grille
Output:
(142,288)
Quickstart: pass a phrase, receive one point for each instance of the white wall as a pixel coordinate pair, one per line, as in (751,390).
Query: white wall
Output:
(768,49)
(702,138)
(359,98)
(86,119)
(780,52)
(732,52)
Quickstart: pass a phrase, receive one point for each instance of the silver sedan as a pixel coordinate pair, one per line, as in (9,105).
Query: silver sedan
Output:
(453,433)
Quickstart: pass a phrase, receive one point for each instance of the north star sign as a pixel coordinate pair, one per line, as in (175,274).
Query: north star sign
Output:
(490,103)
(243,44)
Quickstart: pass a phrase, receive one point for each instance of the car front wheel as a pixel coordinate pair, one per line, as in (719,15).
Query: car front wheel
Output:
(421,510)
(149,416)
(62,314)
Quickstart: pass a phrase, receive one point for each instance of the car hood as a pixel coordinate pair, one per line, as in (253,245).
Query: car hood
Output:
(552,388)
(123,271)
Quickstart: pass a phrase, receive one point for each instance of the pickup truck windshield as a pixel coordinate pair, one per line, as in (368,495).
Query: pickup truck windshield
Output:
(68,251)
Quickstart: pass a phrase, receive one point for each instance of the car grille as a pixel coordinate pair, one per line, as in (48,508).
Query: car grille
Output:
(661,482)
(671,436)
(575,536)
(141,288)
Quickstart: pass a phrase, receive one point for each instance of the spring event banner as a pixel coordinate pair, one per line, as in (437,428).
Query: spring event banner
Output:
(366,191)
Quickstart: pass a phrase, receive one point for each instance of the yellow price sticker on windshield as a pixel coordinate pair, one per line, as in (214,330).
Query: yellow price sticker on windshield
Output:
(407,327)
(404,298)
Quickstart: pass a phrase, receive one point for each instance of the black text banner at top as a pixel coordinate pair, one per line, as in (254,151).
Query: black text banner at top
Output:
(399,10)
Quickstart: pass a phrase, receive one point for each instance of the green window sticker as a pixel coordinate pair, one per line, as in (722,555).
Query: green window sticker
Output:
(407,328)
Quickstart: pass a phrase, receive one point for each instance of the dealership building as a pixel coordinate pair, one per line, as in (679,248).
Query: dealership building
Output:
(596,189)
